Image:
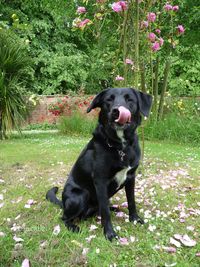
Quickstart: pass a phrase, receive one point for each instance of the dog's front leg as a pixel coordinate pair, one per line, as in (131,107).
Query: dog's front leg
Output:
(130,194)
(102,197)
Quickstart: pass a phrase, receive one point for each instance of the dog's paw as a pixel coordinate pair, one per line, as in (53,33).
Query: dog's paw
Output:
(136,219)
(72,227)
(110,235)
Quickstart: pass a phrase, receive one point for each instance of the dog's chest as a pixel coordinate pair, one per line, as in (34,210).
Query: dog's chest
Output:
(120,177)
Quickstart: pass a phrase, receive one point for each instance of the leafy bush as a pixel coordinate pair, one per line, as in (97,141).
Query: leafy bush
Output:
(14,62)
(77,123)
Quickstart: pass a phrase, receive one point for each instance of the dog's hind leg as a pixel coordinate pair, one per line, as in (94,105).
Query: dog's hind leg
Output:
(75,204)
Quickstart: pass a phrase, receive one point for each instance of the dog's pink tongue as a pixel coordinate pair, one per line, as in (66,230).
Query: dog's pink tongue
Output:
(124,115)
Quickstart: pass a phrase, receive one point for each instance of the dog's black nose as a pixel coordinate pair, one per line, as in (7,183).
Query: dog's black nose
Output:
(115,113)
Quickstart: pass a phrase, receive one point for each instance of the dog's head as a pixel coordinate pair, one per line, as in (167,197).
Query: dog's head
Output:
(121,107)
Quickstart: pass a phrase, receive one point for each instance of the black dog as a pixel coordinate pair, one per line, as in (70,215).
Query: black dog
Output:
(108,162)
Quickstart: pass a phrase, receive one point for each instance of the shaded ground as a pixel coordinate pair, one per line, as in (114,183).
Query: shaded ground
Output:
(167,195)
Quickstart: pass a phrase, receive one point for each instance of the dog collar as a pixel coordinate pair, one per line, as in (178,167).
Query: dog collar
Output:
(120,152)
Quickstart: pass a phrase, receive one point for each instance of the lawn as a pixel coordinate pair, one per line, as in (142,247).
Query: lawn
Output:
(167,196)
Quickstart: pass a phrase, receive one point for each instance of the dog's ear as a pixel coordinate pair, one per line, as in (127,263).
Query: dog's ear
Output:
(144,102)
(97,101)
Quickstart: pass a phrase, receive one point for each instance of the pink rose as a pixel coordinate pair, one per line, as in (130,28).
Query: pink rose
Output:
(129,61)
(180,29)
(151,17)
(119,6)
(158,31)
(144,24)
(155,47)
(152,37)
(123,5)
(161,41)
(119,78)
(81,10)
(168,7)
(175,8)
(116,7)
(84,22)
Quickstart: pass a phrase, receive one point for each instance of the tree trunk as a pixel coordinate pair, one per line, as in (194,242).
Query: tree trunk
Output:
(142,72)
(136,43)
(155,89)
(164,87)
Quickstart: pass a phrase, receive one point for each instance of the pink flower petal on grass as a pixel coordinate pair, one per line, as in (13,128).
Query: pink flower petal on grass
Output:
(187,241)
(89,239)
(132,239)
(177,236)
(2,234)
(93,227)
(18,239)
(175,242)
(85,251)
(123,241)
(120,214)
(124,205)
(190,228)
(170,264)
(25,263)
(197,254)
(56,230)
(169,249)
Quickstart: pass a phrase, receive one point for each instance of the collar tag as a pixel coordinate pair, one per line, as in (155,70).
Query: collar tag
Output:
(121,154)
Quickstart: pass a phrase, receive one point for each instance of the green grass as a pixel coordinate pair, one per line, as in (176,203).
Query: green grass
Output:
(32,164)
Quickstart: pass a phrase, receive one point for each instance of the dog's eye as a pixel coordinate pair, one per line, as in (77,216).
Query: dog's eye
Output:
(111,98)
(128,99)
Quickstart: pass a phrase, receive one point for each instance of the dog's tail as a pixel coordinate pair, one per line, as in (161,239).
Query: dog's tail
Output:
(51,196)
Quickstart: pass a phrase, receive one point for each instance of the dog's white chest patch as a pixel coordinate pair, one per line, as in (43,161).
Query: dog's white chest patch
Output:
(120,177)
(120,135)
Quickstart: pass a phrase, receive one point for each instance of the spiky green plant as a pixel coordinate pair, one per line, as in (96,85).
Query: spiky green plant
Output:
(14,62)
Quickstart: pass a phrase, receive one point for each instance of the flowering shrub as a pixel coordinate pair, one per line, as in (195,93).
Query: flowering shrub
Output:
(154,33)
(68,105)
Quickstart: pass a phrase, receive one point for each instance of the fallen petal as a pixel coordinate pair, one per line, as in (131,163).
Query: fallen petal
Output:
(170,264)
(132,239)
(18,239)
(177,236)
(175,242)
(43,244)
(93,227)
(25,263)
(124,205)
(169,249)
(187,241)
(2,234)
(88,239)
(97,250)
(190,228)
(123,241)
(85,251)
(56,230)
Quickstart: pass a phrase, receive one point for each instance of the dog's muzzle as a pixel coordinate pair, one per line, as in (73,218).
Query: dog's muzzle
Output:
(121,115)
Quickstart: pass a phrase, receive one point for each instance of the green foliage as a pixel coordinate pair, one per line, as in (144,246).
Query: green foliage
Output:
(185,79)
(14,62)
(43,126)
(77,124)
(181,122)
(67,59)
